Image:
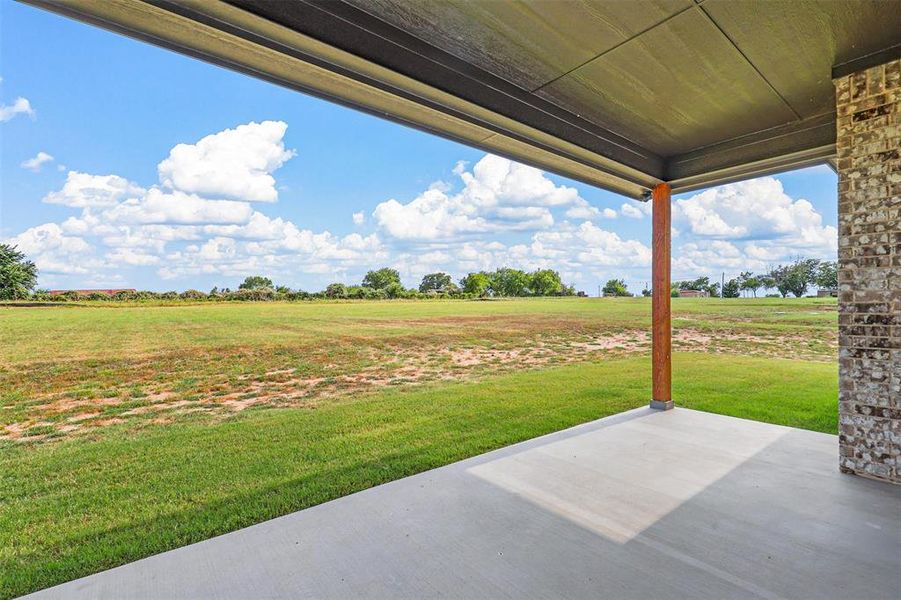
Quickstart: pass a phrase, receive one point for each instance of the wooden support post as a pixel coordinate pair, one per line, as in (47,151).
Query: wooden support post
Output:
(661,320)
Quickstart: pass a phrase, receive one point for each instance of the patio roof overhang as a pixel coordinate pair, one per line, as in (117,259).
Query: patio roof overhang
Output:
(621,95)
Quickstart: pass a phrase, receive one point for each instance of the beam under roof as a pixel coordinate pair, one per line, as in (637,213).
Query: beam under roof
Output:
(415,66)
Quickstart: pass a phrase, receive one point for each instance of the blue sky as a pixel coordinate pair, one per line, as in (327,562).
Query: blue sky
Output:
(179,175)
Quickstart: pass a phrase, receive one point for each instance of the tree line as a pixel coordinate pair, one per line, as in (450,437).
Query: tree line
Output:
(18,278)
(793,278)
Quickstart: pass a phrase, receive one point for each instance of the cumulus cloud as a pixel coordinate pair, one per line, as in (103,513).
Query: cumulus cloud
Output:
(591,247)
(755,209)
(202,206)
(431,215)
(48,236)
(158,207)
(234,163)
(182,234)
(82,190)
(20,106)
(131,257)
(34,164)
(498,195)
(300,249)
(358,218)
(582,210)
(52,250)
(635,210)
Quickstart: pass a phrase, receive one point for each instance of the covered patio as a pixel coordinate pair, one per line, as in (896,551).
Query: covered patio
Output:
(645,98)
(644,504)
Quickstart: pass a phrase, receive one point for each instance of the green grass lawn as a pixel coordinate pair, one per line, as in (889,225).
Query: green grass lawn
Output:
(122,488)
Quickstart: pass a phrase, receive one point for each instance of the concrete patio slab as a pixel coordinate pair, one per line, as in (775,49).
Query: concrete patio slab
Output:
(645,504)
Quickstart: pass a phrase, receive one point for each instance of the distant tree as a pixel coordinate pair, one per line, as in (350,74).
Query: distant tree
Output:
(436,282)
(616,287)
(214,291)
(701,284)
(509,282)
(545,282)
(646,293)
(748,282)
(255,282)
(795,277)
(476,284)
(731,289)
(283,289)
(336,290)
(381,279)
(766,282)
(570,290)
(827,275)
(18,275)
(395,290)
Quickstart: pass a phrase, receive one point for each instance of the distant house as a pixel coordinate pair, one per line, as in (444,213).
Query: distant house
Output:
(827,293)
(110,292)
(694,294)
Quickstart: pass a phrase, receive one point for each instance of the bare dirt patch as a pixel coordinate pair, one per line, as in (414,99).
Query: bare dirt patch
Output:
(219,383)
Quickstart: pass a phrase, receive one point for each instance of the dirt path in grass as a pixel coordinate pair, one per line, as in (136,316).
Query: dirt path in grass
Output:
(53,401)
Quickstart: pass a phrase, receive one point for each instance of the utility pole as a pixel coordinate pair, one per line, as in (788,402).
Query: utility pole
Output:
(722,286)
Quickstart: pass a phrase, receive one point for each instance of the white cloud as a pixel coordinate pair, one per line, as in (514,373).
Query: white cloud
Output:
(574,251)
(711,257)
(158,207)
(432,215)
(53,251)
(358,218)
(495,180)
(582,210)
(591,247)
(756,209)
(635,211)
(34,164)
(498,195)
(48,236)
(234,163)
(130,257)
(136,226)
(21,106)
(299,250)
(82,190)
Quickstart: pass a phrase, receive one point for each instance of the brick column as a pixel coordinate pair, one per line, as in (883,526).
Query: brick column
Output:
(869,262)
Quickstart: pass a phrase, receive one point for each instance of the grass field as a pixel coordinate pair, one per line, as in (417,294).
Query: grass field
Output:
(128,430)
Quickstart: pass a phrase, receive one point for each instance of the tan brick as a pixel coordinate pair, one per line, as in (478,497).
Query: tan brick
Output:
(869,167)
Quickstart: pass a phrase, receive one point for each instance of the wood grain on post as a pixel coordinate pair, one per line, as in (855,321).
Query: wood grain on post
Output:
(660,313)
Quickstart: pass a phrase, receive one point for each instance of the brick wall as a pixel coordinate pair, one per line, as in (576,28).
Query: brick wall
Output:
(869,233)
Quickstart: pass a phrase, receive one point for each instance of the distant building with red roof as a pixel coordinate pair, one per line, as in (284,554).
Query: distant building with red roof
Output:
(107,292)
